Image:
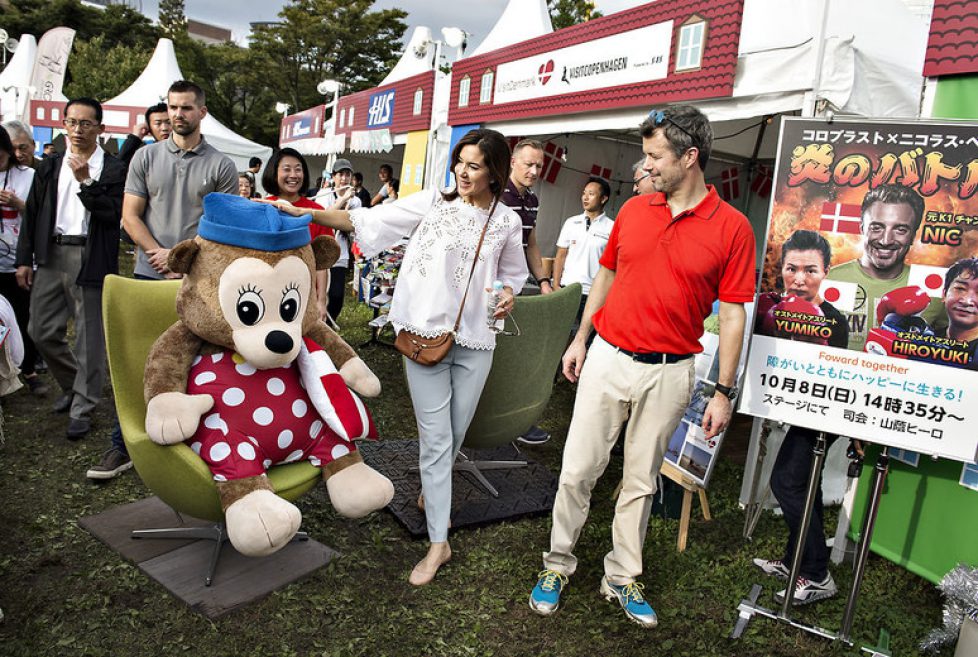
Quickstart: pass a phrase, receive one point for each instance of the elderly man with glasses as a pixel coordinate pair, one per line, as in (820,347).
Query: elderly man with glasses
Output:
(670,255)
(642,179)
(21,136)
(71,232)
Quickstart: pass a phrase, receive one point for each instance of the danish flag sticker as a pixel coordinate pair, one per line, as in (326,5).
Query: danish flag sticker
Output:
(840,218)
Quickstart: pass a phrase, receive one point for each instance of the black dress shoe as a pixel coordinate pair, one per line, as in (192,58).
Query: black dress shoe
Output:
(78,428)
(63,403)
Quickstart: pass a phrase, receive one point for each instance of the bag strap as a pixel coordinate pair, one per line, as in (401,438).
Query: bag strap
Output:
(475,259)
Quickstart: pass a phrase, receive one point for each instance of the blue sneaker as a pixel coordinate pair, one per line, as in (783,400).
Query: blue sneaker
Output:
(630,598)
(545,596)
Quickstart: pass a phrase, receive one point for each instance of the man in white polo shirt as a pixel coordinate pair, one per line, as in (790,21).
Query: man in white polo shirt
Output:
(583,238)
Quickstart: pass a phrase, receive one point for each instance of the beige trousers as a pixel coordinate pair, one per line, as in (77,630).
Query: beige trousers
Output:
(614,388)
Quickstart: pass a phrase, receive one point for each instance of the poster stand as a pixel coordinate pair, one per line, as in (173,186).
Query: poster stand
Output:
(748,607)
(754,507)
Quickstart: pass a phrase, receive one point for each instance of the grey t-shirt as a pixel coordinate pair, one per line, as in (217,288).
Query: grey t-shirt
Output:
(174,183)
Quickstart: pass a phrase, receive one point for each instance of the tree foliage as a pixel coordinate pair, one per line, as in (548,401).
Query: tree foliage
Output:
(172,18)
(118,24)
(564,13)
(100,71)
(320,39)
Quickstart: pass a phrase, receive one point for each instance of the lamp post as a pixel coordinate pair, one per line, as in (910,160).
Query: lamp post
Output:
(453,37)
(327,87)
(283,109)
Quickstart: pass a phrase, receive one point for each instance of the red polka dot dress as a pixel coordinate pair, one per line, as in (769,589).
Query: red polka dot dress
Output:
(282,415)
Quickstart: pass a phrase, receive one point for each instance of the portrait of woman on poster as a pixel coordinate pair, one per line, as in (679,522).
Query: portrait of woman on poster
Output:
(805,258)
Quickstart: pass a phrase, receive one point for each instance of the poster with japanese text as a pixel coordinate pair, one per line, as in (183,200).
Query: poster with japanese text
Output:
(866,323)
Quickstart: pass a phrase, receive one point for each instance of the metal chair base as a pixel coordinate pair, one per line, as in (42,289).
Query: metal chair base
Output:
(216,533)
(464,464)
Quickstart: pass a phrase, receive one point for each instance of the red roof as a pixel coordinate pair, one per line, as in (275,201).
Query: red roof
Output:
(713,79)
(953,43)
(403,118)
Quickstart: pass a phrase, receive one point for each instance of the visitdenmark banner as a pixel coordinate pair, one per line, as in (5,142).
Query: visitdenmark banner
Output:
(866,323)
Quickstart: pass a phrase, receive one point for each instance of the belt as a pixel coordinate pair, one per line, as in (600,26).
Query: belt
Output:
(652,357)
(70,240)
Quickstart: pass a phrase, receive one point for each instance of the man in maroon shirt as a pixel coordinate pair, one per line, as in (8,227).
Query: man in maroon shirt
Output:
(671,254)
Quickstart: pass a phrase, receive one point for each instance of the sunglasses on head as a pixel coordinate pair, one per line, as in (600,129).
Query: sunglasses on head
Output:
(658,117)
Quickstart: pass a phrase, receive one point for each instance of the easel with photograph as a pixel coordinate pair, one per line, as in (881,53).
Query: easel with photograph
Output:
(690,488)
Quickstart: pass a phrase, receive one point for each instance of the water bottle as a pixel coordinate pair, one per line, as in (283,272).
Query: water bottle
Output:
(495,325)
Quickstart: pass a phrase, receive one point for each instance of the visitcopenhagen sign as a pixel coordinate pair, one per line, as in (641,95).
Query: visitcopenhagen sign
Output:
(882,344)
(632,57)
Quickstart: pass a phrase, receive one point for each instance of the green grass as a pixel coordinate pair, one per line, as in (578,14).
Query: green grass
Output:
(65,593)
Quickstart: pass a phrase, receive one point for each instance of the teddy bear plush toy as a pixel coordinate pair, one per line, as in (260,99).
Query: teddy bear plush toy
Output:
(250,377)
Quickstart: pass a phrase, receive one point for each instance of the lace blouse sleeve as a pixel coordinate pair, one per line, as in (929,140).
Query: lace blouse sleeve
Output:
(512,260)
(382,226)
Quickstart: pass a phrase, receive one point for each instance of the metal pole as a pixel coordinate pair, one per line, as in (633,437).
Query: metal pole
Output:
(818,458)
(879,477)
(755,504)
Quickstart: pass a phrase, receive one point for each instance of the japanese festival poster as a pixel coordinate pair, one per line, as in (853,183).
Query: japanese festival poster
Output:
(866,323)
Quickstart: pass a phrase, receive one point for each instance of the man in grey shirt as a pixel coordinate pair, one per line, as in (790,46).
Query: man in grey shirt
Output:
(168,181)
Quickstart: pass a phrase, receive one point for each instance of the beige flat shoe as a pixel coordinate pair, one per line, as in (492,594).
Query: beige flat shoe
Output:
(427,568)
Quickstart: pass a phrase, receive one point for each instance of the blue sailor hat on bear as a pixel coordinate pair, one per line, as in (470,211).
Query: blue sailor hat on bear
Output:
(237,221)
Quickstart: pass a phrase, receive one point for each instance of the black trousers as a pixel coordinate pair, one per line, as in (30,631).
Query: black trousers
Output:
(20,300)
(789,483)
(335,293)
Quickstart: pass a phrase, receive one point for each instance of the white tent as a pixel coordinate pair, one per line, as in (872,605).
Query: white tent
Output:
(150,88)
(15,80)
(520,21)
(416,58)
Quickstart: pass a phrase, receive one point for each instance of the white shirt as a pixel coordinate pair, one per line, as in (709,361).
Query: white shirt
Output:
(16,179)
(584,248)
(326,198)
(438,258)
(72,215)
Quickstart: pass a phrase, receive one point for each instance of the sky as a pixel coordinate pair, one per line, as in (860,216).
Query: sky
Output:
(474,16)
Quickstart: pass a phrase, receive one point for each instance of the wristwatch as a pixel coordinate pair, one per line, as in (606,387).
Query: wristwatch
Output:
(730,392)
(548,280)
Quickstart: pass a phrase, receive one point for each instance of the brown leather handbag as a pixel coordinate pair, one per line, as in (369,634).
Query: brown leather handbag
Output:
(431,351)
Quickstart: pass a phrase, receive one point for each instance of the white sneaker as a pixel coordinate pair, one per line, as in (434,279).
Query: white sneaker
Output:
(773,568)
(807,591)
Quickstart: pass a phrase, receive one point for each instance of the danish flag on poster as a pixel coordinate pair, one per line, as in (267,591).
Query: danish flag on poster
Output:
(840,294)
(929,279)
(840,218)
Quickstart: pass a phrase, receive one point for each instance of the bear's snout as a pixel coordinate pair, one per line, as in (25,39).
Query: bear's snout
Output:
(278,342)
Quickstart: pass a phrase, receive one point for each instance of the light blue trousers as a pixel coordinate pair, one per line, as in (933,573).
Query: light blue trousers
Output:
(444,397)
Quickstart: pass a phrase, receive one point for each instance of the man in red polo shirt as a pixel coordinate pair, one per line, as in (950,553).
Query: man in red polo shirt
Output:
(671,254)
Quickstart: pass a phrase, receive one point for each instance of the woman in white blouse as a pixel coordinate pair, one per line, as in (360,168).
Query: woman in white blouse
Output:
(444,230)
